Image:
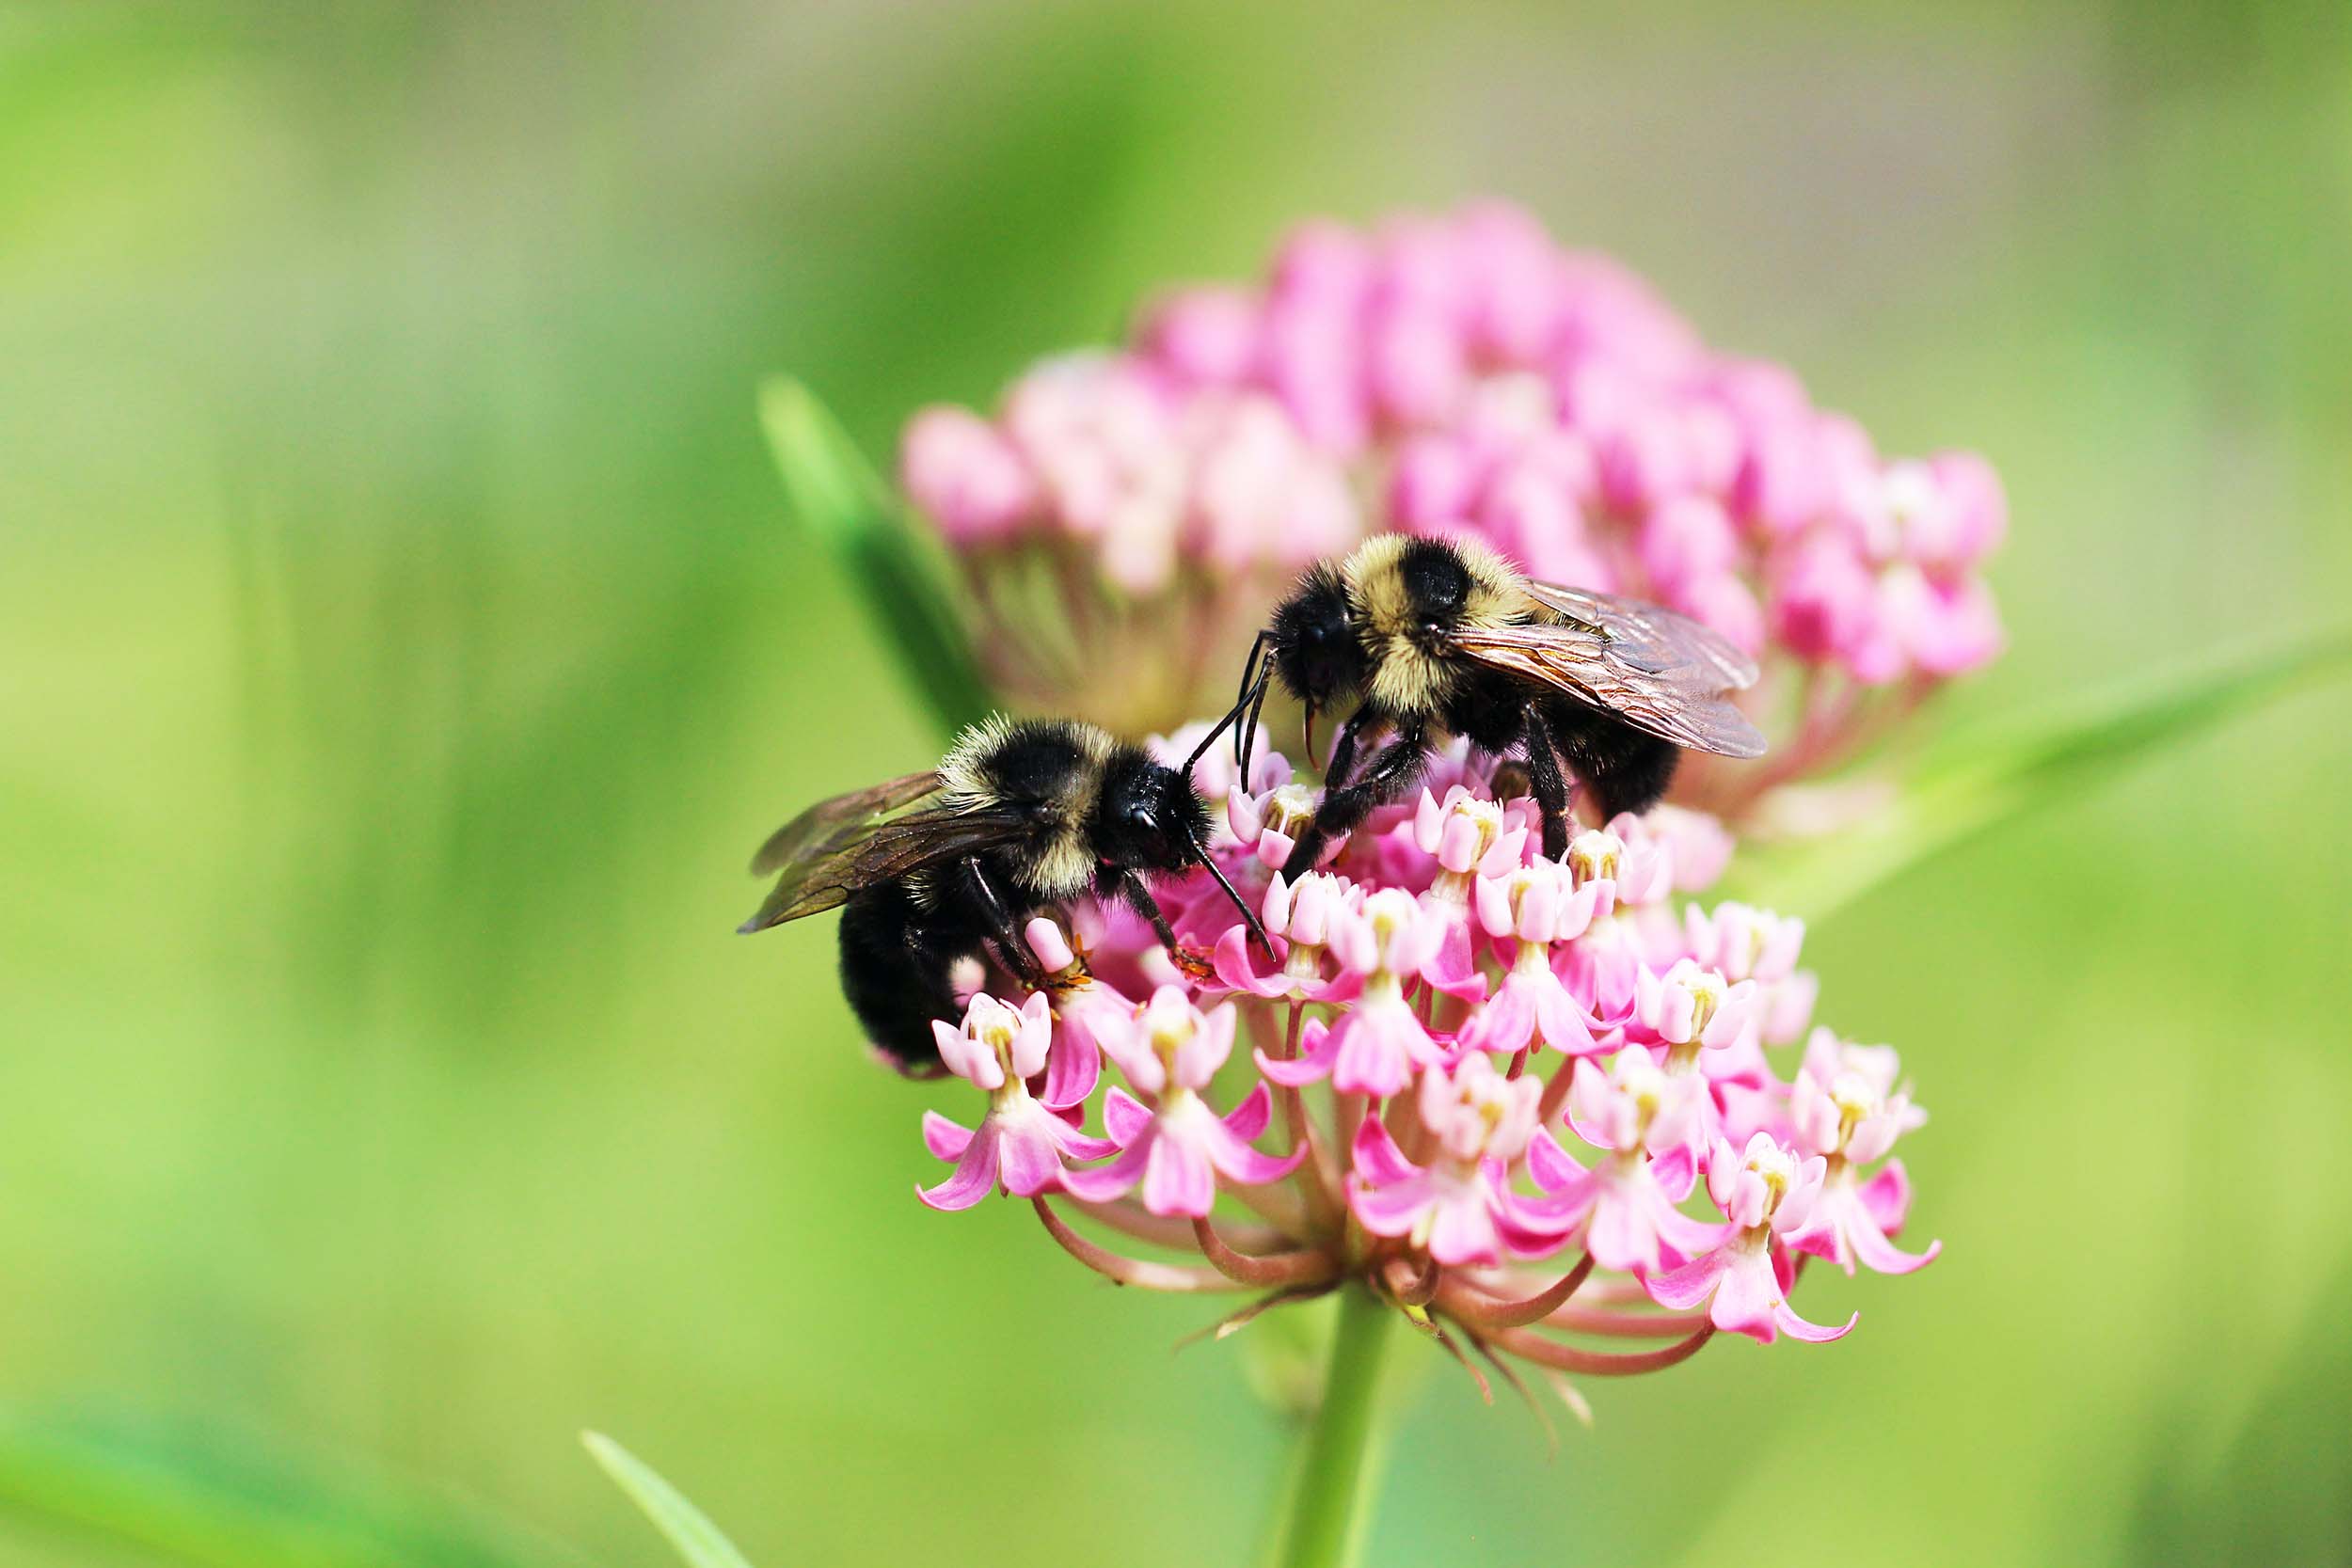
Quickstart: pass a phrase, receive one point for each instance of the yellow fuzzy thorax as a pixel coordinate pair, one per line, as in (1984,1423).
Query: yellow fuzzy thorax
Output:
(1408,675)
(1058,862)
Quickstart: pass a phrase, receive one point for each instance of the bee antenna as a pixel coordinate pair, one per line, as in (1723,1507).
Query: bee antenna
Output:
(1244,736)
(1248,915)
(1257,707)
(1210,740)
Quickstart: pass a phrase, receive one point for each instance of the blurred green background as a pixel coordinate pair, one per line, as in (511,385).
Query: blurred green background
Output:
(403,641)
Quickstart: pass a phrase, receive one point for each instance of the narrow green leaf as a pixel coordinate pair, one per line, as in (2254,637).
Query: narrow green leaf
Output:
(697,1540)
(847,509)
(1978,780)
(209,1498)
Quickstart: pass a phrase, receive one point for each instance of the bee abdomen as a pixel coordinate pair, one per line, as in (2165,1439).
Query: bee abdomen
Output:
(898,963)
(1626,770)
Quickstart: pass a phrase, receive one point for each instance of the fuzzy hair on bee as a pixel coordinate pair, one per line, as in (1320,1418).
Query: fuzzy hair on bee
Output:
(1406,594)
(1430,637)
(1055,771)
(938,870)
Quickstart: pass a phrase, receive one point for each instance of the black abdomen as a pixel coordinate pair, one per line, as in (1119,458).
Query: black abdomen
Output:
(898,962)
(1624,768)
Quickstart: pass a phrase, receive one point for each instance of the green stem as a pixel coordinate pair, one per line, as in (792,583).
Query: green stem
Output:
(1336,1477)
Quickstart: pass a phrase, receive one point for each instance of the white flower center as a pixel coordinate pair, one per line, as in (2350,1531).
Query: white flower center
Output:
(1596,856)
(1289,809)
(1778,1172)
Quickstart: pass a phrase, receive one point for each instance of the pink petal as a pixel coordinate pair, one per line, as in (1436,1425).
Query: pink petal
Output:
(1238,1160)
(1887,1196)
(1675,1172)
(1451,969)
(1679,1289)
(1795,1327)
(1747,1298)
(1177,1180)
(1296,1073)
(974,1178)
(1073,1065)
(1062,1127)
(946,1140)
(1688,1237)
(1247,1120)
(1377,1159)
(1125,1117)
(1338,990)
(1212,1041)
(1554,1168)
(1390,1209)
(1318,1048)
(1622,1235)
(1531,1227)
(1105,1182)
(1029,1161)
(1559,1019)
(1464,1231)
(1876,1252)
(1504,1025)
(1377,1050)
(1233,966)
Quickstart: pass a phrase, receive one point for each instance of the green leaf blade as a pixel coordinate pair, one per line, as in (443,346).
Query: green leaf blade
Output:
(844,506)
(1984,780)
(209,1498)
(700,1544)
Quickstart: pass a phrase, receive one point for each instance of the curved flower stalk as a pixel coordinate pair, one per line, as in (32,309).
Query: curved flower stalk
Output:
(1135,509)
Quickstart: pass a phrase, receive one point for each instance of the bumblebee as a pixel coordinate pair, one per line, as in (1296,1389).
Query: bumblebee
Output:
(1434,637)
(949,865)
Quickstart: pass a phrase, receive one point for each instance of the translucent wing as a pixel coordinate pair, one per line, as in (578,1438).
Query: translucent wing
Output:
(1648,636)
(1658,672)
(851,841)
(841,819)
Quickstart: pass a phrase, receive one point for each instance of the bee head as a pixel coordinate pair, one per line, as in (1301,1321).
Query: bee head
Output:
(1314,644)
(1147,817)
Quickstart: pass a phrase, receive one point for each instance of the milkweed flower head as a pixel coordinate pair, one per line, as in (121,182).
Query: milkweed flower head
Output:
(1551,1107)
(1536,1103)
(1451,374)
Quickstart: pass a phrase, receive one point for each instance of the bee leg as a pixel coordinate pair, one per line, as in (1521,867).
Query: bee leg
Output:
(1550,784)
(1343,750)
(999,922)
(1136,896)
(1344,809)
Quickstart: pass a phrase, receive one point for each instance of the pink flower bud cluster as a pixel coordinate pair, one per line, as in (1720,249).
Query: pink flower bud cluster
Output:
(1464,372)
(1543,1106)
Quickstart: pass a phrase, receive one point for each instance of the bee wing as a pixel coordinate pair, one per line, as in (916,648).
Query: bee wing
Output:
(830,824)
(849,842)
(1650,637)
(1682,698)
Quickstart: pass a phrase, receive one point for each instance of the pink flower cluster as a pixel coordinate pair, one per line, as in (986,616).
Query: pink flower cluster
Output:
(1529,1102)
(1461,373)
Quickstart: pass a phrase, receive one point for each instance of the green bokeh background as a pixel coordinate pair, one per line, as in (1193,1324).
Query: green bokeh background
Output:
(403,639)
